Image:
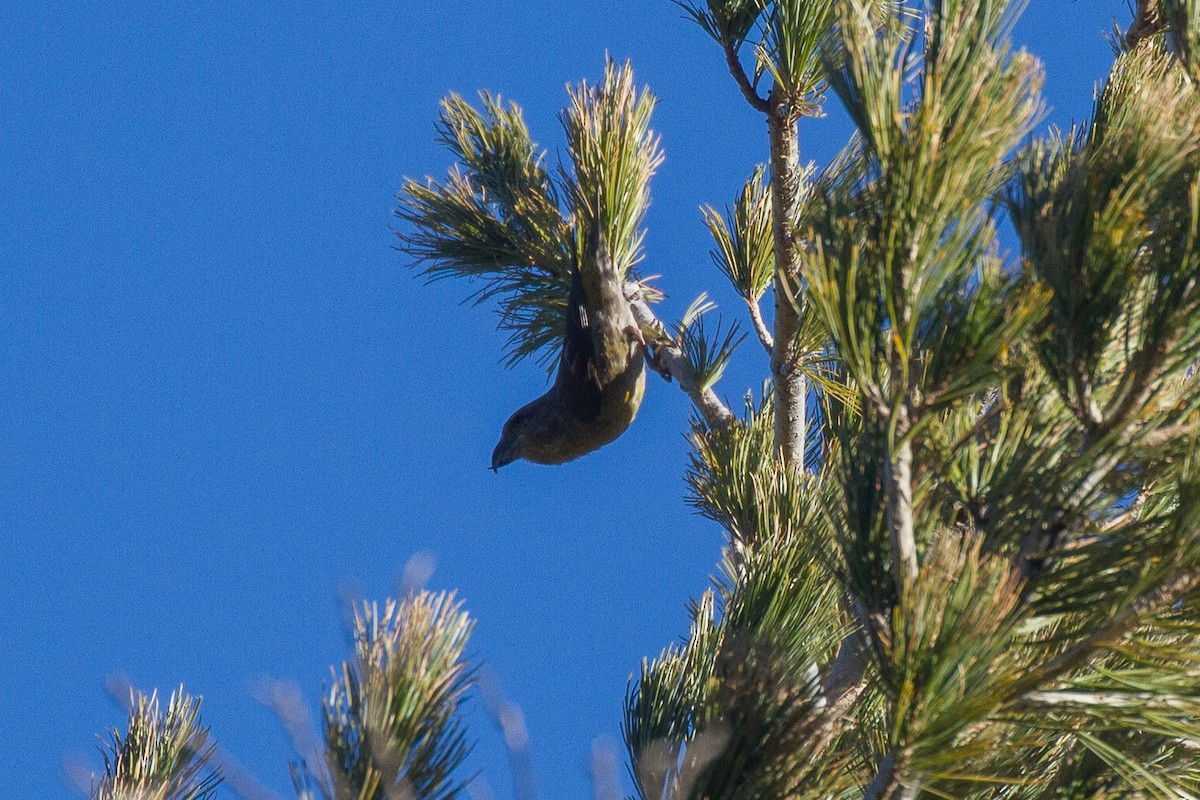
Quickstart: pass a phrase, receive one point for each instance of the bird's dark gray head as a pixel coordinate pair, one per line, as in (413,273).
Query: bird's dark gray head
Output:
(512,439)
(541,432)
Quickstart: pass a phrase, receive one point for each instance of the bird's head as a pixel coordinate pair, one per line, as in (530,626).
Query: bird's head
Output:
(539,433)
(513,439)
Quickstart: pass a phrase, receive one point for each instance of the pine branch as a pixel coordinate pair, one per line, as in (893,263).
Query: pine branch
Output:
(1147,21)
(670,361)
(392,725)
(845,675)
(748,89)
(1171,433)
(900,508)
(162,756)
(1107,633)
(1050,701)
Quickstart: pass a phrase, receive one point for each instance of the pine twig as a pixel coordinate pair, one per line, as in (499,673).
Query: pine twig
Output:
(1042,702)
(756,101)
(1162,436)
(887,784)
(900,505)
(760,326)
(670,361)
(844,677)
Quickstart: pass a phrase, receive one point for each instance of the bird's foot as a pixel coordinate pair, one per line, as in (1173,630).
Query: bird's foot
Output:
(656,360)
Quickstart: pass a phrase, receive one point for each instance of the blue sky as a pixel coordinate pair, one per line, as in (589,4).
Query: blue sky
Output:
(225,399)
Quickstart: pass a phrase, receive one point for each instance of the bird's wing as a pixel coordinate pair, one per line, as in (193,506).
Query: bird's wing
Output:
(578,383)
(609,313)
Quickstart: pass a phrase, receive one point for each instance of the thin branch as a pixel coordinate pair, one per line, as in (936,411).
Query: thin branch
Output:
(900,505)
(1043,701)
(829,719)
(756,101)
(887,785)
(760,326)
(671,362)
(846,671)
(1162,436)
(1114,629)
(1139,385)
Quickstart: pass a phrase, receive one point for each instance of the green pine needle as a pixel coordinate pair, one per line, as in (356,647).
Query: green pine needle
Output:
(744,250)
(162,756)
(613,153)
(392,722)
(708,351)
(495,221)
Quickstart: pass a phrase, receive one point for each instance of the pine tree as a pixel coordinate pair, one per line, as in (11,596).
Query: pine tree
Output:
(963,522)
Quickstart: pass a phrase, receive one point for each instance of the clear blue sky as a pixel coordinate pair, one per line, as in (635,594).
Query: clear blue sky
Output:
(223,395)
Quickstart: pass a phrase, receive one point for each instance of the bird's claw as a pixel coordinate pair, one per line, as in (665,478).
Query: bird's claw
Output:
(656,362)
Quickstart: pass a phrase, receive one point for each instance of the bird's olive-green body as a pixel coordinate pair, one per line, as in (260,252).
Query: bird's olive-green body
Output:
(601,374)
(550,431)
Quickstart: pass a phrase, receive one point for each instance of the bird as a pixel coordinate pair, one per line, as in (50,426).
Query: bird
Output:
(601,375)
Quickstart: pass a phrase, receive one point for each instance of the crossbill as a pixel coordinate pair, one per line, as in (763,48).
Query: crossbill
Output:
(601,374)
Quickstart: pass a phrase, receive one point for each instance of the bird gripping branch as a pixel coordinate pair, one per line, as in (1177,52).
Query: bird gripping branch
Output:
(601,374)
